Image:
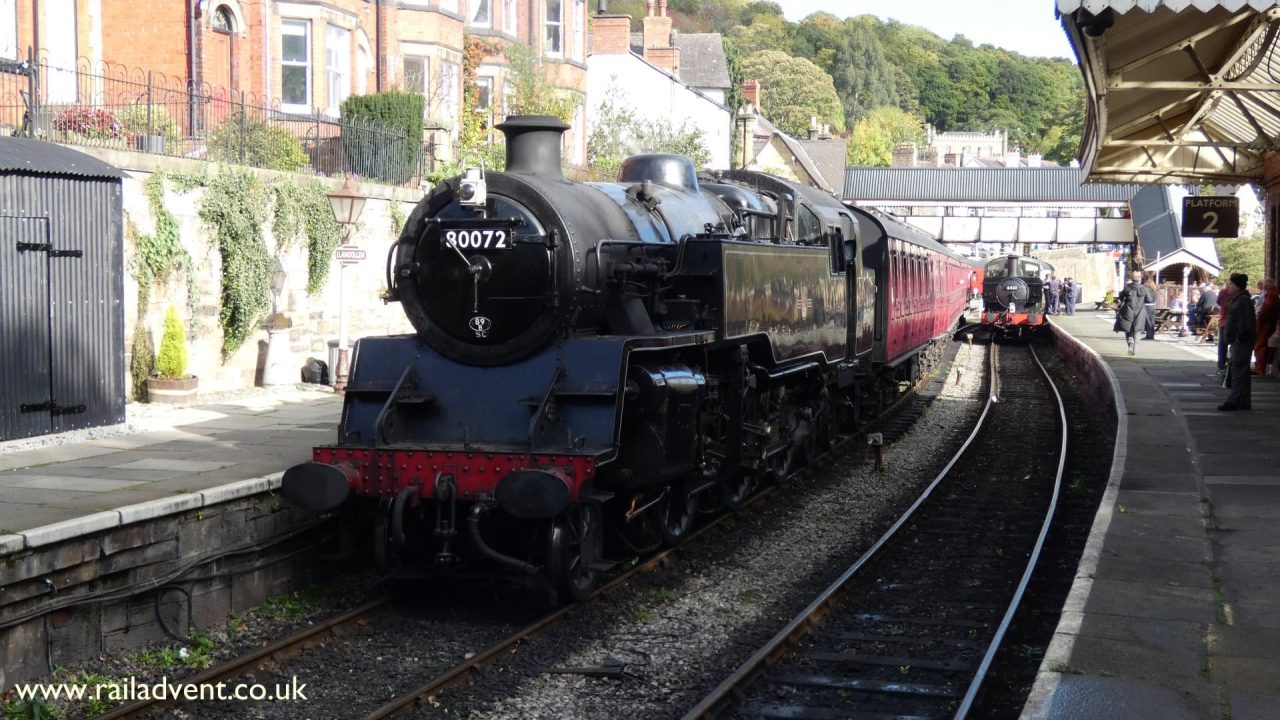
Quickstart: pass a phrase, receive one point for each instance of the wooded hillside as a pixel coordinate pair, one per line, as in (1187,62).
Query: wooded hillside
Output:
(874,64)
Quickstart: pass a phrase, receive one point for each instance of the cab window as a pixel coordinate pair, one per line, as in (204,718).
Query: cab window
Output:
(996,268)
(810,227)
(1029,268)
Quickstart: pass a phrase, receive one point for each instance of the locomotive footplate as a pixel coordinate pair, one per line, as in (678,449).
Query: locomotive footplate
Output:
(525,485)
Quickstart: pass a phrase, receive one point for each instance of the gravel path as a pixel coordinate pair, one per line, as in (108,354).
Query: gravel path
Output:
(679,632)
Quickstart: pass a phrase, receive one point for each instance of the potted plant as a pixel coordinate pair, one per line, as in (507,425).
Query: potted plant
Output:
(171,384)
(149,126)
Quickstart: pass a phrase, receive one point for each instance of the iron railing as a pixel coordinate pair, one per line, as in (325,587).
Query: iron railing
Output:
(112,106)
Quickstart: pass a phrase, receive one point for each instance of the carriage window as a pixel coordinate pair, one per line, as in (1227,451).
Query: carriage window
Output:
(810,227)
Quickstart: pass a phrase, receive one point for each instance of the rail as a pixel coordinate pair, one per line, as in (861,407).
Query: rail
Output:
(734,688)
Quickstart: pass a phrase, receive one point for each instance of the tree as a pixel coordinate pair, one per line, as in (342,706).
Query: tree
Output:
(873,137)
(534,93)
(793,90)
(1242,255)
(616,133)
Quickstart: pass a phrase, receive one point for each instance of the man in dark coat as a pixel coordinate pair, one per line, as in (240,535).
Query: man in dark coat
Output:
(1131,315)
(1069,296)
(1239,334)
(1052,288)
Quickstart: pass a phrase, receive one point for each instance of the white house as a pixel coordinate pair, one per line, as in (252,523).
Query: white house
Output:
(648,84)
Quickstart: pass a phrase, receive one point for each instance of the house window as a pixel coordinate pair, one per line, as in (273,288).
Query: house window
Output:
(295,60)
(578,45)
(449,90)
(416,68)
(222,20)
(484,98)
(510,26)
(9,29)
(337,60)
(364,65)
(555,28)
(480,13)
(450,5)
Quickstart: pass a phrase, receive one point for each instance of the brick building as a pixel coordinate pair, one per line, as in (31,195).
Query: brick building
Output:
(307,56)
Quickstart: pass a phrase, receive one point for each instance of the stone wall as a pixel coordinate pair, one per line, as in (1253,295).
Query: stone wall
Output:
(1096,271)
(314,317)
(93,593)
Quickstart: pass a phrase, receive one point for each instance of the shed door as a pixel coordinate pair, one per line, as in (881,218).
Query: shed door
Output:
(24,327)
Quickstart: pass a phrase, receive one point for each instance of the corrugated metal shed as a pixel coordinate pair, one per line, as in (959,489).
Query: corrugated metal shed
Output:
(45,158)
(980,184)
(61,290)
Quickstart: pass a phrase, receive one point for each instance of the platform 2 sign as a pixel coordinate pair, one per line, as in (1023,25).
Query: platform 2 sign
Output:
(1211,215)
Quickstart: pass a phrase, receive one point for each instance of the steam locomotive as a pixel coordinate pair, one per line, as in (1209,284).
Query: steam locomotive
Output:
(1013,296)
(594,363)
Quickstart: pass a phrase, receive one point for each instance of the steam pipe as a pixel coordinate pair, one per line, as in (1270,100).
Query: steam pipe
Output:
(473,526)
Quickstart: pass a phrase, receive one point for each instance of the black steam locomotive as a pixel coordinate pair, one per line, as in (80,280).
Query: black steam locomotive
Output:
(594,362)
(1013,295)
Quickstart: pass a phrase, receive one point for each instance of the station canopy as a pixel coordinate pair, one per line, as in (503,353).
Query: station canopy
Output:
(1179,91)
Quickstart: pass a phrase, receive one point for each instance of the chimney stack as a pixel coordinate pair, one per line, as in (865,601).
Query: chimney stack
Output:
(533,144)
(904,155)
(1012,158)
(657,28)
(610,35)
(1033,160)
(751,93)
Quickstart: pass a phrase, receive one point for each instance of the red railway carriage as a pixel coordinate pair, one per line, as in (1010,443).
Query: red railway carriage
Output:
(921,286)
(1013,297)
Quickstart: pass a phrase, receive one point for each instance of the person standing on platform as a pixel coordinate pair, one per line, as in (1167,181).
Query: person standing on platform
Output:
(1178,309)
(1069,296)
(1239,332)
(1151,308)
(1051,289)
(1268,315)
(1193,309)
(1130,315)
(1077,299)
(1225,296)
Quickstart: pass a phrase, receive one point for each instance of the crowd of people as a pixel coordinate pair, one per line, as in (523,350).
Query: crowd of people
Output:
(1244,326)
(1061,296)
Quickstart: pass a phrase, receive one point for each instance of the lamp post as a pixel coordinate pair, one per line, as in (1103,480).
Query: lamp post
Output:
(347,204)
(276,369)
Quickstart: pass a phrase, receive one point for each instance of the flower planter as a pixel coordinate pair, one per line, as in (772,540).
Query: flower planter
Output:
(172,392)
(152,144)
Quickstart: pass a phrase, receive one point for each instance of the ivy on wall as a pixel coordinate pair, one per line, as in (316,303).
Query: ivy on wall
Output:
(304,211)
(232,208)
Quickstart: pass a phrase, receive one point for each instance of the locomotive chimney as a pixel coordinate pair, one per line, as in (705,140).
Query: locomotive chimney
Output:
(533,144)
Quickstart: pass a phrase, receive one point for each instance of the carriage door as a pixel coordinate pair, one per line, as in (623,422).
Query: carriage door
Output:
(24,327)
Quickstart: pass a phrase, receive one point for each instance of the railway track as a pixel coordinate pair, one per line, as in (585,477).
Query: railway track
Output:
(891,424)
(911,628)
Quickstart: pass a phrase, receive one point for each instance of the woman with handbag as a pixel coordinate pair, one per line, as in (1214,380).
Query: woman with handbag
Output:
(1268,314)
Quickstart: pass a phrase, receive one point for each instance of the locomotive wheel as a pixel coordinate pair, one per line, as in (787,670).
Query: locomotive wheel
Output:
(674,516)
(574,541)
(781,464)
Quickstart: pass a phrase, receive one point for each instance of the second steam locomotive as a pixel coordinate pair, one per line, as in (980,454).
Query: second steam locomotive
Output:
(594,362)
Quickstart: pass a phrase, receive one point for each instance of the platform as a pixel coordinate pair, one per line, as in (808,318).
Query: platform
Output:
(1175,610)
(197,453)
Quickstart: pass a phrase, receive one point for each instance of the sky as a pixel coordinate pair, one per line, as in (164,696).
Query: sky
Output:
(1028,27)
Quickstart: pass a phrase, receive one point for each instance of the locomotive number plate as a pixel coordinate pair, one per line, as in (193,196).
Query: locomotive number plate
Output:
(477,238)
